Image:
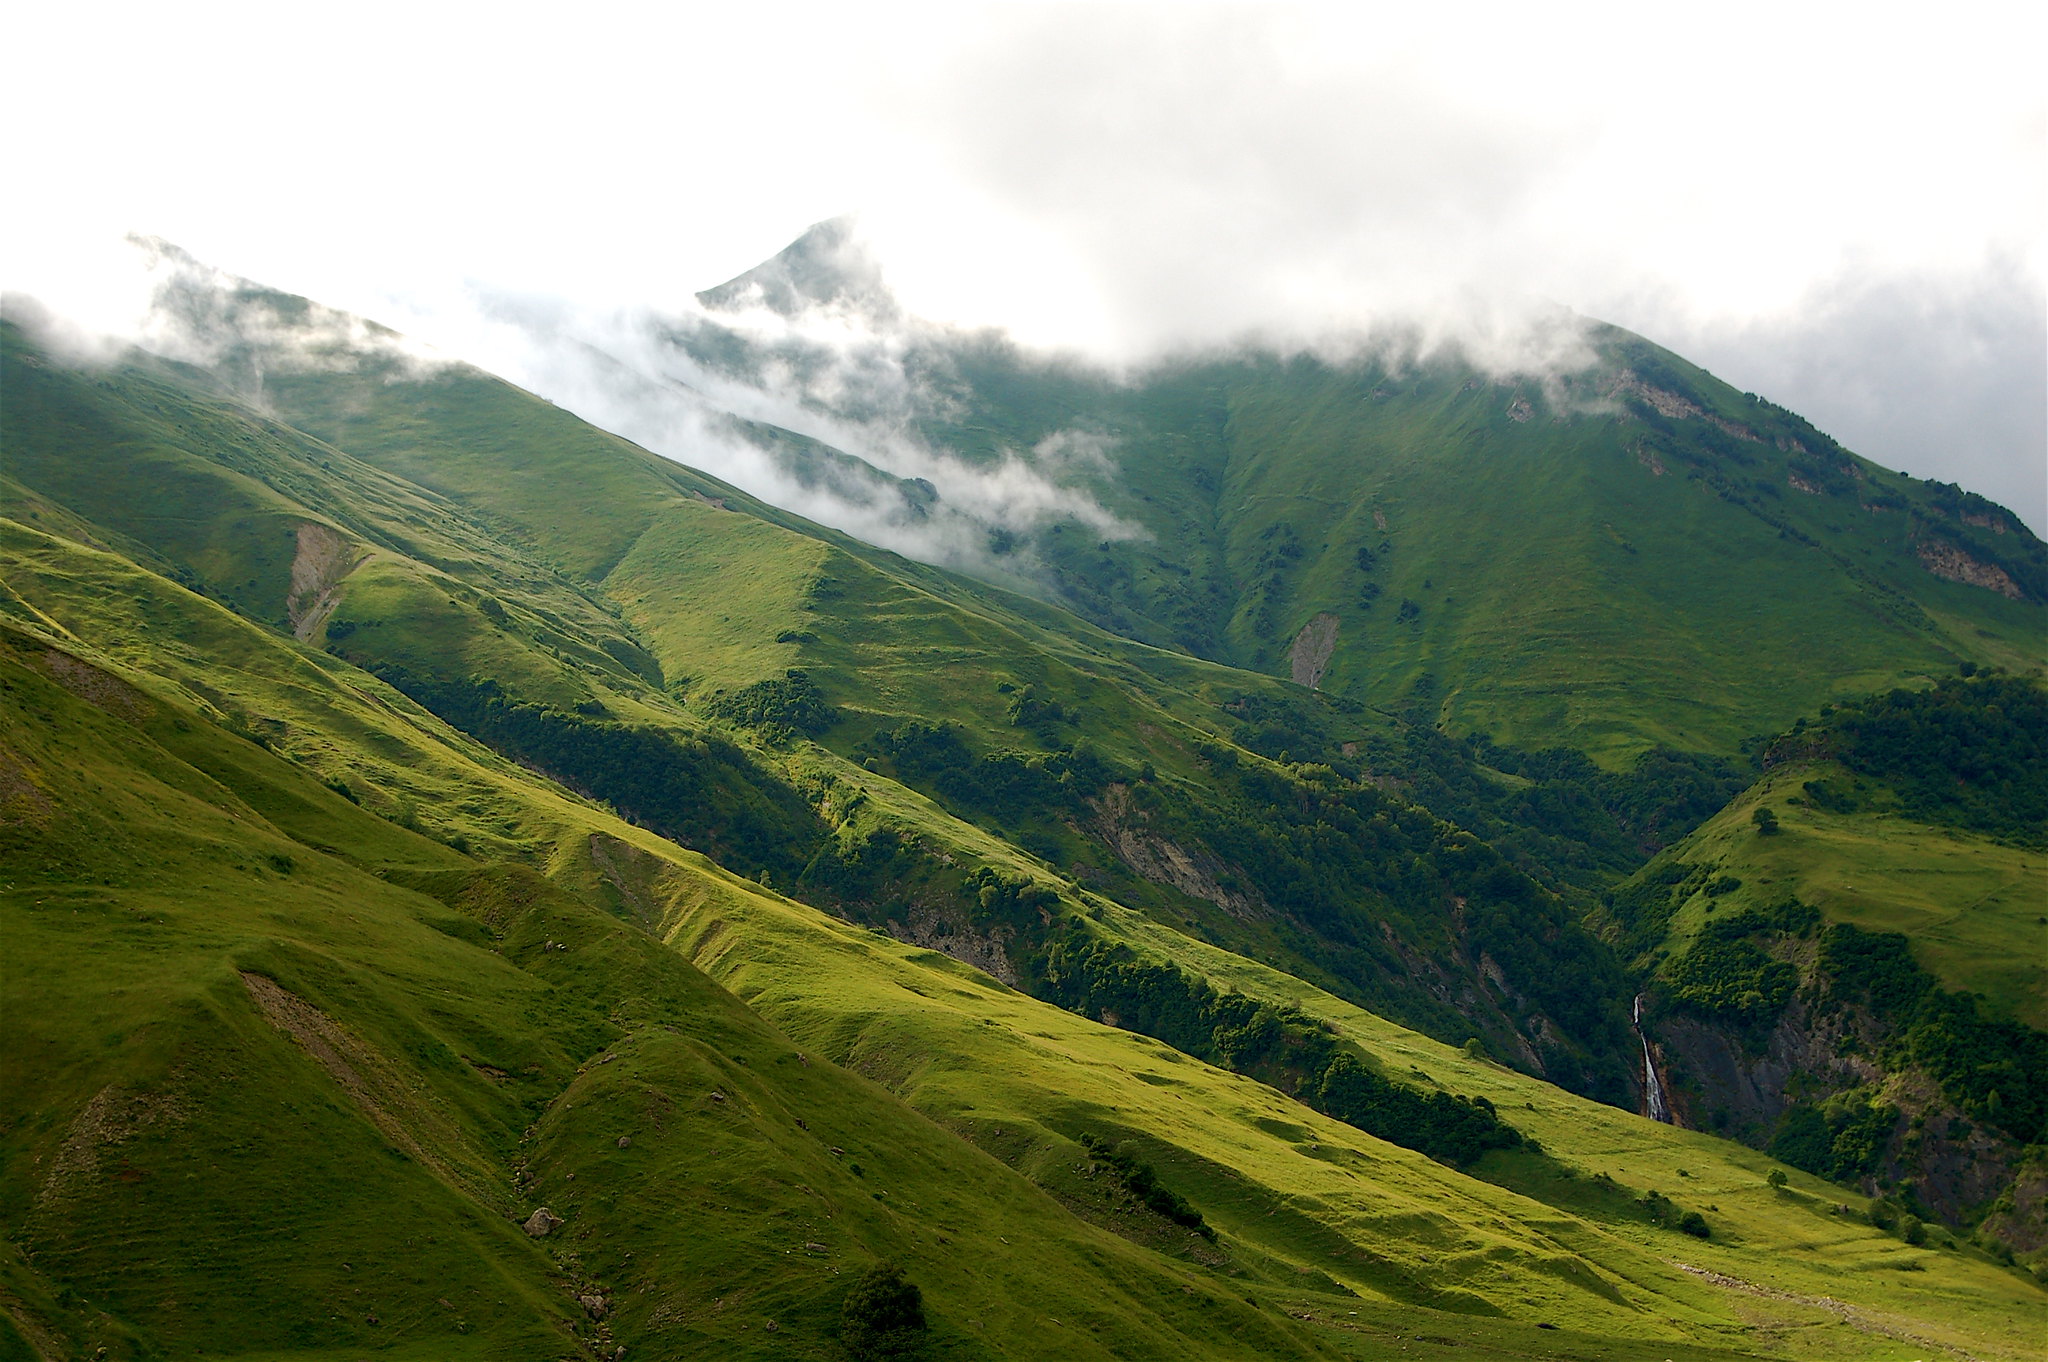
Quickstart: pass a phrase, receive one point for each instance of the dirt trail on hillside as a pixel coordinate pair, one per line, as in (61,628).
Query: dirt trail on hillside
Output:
(1842,1310)
(360,1072)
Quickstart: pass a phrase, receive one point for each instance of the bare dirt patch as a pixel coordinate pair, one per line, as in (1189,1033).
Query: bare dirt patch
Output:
(22,800)
(102,690)
(1163,861)
(1312,649)
(323,560)
(1947,561)
(112,1118)
(359,1071)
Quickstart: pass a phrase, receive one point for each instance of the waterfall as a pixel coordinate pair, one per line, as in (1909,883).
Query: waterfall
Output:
(1653,1086)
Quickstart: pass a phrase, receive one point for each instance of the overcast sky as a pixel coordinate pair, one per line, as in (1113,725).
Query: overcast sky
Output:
(1838,209)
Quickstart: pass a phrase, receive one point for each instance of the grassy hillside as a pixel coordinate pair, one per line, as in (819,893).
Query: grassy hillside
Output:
(1623,555)
(244,1054)
(420,850)
(1094,754)
(1971,905)
(451,1009)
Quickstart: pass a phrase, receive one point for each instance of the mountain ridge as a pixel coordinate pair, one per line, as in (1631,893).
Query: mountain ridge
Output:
(855,748)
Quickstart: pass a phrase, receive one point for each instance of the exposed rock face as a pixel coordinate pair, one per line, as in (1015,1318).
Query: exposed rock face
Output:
(1162,861)
(323,559)
(1312,650)
(542,1223)
(986,951)
(1678,408)
(1751,1088)
(1947,561)
(1955,1166)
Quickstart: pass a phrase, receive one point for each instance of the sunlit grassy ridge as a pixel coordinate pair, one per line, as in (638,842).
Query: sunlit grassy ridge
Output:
(1972,906)
(371,956)
(446,1027)
(984,1059)
(714,593)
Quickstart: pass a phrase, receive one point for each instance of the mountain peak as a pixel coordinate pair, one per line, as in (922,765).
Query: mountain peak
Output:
(827,266)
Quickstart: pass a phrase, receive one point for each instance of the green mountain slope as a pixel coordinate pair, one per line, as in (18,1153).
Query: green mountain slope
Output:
(606,682)
(1619,554)
(333,1098)
(425,1039)
(483,740)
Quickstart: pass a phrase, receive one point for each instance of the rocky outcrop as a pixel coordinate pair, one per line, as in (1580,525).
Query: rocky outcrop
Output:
(1163,861)
(1946,561)
(324,558)
(1724,1085)
(1313,647)
(1675,406)
(936,931)
(1727,1083)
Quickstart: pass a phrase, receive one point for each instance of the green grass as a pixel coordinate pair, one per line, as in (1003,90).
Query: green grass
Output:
(1791,1242)
(968,1054)
(1971,907)
(178,1163)
(1588,575)
(174,820)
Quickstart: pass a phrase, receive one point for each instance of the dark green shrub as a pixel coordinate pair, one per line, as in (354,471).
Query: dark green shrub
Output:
(793,701)
(883,1315)
(1142,1182)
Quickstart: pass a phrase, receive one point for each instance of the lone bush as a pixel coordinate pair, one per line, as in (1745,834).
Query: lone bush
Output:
(883,1316)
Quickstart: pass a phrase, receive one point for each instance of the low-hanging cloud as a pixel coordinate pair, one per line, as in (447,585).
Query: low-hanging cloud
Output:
(829,375)
(1130,181)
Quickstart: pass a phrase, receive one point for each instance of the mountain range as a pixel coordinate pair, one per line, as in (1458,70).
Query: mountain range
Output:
(1351,853)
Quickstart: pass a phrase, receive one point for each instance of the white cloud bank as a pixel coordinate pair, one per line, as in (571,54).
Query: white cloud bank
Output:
(1841,211)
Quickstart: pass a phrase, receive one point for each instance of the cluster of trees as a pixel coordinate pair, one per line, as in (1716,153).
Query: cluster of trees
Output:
(1994,1069)
(1589,823)
(1339,855)
(1727,973)
(883,1315)
(1282,1046)
(1842,1141)
(1336,858)
(1972,752)
(1566,822)
(1007,786)
(791,701)
(1142,1182)
(703,792)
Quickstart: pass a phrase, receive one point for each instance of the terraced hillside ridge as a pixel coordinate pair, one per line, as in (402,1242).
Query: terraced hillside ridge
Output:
(501,1032)
(491,891)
